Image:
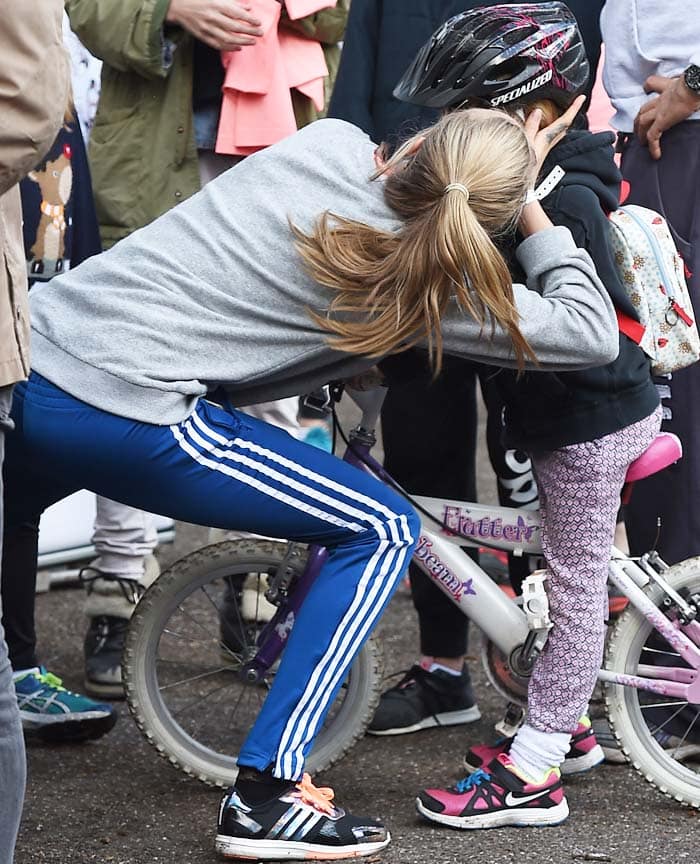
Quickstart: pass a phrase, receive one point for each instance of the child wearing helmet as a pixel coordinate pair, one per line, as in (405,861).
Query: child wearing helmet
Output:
(289,292)
(581,429)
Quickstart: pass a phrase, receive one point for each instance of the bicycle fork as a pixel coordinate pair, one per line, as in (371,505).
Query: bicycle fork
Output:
(683,635)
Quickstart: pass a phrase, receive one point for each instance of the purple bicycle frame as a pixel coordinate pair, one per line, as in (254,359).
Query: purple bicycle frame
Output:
(274,635)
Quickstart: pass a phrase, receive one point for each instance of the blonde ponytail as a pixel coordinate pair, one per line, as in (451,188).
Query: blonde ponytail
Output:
(456,193)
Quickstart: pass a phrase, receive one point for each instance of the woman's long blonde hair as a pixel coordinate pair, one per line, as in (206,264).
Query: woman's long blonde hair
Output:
(394,287)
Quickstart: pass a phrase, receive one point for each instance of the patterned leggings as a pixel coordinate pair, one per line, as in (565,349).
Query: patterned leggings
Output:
(580,489)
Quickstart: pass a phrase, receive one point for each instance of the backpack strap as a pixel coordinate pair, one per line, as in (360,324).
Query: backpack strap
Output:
(631,328)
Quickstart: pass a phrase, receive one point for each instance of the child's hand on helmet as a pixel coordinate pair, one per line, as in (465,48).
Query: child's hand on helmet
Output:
(542,140)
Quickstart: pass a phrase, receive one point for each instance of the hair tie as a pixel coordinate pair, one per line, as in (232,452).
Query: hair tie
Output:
(457,187)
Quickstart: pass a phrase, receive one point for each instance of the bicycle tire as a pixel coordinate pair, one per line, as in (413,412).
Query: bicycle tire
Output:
(161,726)
(624,705)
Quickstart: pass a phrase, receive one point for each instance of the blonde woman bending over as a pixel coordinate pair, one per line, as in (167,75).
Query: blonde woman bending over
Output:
(301,265)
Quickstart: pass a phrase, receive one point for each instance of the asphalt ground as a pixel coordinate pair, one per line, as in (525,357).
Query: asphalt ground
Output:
(115,801)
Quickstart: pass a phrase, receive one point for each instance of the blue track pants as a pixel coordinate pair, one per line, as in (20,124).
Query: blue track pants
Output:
(224,469)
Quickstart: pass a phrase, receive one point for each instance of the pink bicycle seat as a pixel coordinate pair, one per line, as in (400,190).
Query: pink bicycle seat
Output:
(663,451)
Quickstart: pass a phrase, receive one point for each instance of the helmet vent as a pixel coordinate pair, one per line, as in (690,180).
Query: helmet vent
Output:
(517,35)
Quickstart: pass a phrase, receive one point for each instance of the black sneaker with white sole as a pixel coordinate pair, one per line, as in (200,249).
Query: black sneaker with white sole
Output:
(300,823)
(423,700)
(102,648)
(111,600)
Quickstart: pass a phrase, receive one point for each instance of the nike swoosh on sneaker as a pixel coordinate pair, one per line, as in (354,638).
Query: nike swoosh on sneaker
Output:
(514,800)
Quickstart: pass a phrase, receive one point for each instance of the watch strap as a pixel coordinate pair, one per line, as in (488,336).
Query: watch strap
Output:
(691,76)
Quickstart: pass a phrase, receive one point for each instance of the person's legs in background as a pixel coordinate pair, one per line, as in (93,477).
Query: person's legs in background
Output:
(47,710)
(124,539)
(429,433)
(13,771)
(671,186)
(429,436)
(515,478)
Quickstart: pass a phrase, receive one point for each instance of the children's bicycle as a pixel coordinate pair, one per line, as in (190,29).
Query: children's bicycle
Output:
(205,640)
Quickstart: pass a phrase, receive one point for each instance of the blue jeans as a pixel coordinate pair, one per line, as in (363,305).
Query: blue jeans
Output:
(227,470)
(13,771)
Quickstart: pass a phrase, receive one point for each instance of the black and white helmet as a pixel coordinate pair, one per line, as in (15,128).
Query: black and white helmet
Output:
(500,55)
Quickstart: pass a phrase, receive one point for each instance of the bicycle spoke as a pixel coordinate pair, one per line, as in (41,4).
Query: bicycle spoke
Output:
(199,699)
(673,716)
(190,617)
(241,624)
(685,735)
(210,646)
(234,708)
(257,598)
(203,589)
(196,726)
(195,678)
(660,651)
(662,705)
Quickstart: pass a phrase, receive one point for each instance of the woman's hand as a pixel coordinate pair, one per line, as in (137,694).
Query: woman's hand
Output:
(226,25)
(542,140)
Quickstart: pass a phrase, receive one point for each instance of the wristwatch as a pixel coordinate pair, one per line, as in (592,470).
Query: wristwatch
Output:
(691,76)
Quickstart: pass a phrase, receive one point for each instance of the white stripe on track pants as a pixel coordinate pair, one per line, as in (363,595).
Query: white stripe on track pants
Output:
(225,469)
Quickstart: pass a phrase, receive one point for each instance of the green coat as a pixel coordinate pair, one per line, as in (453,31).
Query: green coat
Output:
(142,150)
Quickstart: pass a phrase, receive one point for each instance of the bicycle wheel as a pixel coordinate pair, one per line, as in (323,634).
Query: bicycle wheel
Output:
(188,638)
(660,735)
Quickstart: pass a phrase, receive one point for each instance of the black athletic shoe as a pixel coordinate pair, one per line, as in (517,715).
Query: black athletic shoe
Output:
(299,824)
(103,646)
(111,600)
(422,700)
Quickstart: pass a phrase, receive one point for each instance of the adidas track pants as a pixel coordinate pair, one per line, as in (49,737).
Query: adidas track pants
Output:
(228,470)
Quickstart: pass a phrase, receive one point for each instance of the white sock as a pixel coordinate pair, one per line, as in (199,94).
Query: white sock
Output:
(434,667)
(20,673)
(534,752)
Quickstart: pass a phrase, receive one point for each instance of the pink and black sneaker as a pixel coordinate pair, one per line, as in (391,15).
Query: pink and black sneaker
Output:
(584,753)
(497,796)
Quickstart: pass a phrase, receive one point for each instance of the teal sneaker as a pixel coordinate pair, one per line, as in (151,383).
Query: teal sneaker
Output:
(49,712)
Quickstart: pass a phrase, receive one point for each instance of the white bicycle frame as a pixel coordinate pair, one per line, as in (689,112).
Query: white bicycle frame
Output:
(463,523)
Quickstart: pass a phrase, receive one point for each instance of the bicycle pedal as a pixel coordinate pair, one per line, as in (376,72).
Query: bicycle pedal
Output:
(536,602)
(511,721)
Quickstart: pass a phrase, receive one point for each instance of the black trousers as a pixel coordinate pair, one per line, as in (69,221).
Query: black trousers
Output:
(19,564)
(429,430)
(671,186)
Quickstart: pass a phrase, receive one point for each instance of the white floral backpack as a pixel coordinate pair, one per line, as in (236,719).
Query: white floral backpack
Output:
(653,274)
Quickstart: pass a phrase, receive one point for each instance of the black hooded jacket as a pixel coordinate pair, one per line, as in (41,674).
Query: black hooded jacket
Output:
(547,410)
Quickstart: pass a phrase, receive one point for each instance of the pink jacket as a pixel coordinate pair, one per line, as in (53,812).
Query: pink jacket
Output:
(257,105)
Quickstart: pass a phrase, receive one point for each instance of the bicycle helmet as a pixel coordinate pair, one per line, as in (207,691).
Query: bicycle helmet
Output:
(499,55)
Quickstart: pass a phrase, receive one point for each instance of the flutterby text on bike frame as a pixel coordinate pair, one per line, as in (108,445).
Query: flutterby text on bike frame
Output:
(456,520)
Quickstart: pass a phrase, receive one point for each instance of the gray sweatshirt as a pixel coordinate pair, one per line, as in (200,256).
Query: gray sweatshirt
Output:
(643,38)
(213,294)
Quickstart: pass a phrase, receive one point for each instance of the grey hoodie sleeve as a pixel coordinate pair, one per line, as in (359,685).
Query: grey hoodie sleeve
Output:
(565,312)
